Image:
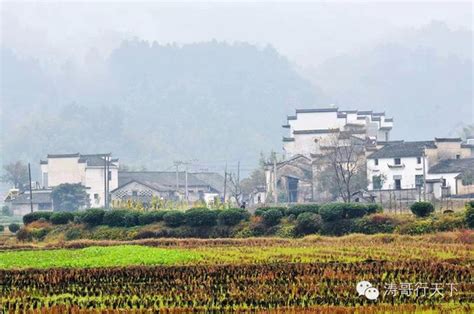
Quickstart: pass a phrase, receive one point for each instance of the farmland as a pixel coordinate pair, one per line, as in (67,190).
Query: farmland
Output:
(310,274)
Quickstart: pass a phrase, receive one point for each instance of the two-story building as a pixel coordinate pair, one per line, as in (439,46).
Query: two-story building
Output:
(311,129)
(401,165)
(91,170)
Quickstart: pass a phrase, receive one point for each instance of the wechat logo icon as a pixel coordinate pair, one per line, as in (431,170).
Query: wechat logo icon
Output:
(365,288)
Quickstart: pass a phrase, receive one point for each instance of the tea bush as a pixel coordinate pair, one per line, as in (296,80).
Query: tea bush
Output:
(29,218)
(174,218)
(422,209)
(308,223)
(93,216)
(232,216)
(61,218)
(200,217)
(272,217)
(13,227)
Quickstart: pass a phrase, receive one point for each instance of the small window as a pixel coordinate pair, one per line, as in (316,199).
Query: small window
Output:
(418,160)
(135,193)
(397,161)
(419,179)
(96,196)
(398,184)
(444,183)
(376,161)
(377,182)
(458,156)
(110,175)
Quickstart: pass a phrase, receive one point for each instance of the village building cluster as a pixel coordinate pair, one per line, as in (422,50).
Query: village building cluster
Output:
(105,183)
(415,170)
(392,169)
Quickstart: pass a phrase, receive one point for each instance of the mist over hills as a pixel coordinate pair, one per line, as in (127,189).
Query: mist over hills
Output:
(423,78)
(150,104)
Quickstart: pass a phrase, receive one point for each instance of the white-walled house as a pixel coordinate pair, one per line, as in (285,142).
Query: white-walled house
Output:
(311,129)
(398,165)
(88,170)
(401,165)
(454,177)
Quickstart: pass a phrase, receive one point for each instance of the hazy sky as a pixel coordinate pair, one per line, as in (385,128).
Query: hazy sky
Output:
(307,33)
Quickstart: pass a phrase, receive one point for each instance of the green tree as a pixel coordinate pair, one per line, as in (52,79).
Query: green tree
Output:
(6,211)
(69,197)
(16,173)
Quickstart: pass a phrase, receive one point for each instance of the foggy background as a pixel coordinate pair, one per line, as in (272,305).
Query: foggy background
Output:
(153,83)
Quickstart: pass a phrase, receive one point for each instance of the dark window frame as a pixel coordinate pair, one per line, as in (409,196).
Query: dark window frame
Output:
(398,184)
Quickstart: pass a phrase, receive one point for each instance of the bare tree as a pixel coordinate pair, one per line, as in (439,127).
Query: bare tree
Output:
(344,165)
(235,188)
(15,173)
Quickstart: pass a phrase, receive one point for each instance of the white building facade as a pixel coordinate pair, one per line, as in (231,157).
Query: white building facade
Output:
(311,129)
(88,170)
(400,165)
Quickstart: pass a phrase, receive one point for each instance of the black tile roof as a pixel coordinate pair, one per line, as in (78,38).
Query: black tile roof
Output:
(163,178)
(288,139)
(63,155)
(39,197)
(453,166)
(94,160)
(152,185)
(316,110)
(448,139)
(320,131)
(214,179)
(402,149)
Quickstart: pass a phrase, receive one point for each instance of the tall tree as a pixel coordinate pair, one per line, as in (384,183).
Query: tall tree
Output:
(69,197)
(344,168)
(16,173)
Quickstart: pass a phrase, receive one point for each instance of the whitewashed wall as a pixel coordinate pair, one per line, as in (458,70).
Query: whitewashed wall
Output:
(408,172)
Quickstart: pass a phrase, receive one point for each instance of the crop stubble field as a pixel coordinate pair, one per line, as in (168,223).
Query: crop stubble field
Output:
(316,274)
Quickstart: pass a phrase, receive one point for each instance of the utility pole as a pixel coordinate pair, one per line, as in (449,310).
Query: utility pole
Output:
(107,201)
(31,192)
(186,182)
(225,181)
(424,174)
(238,181)
(105,181)
(176,164)
(275,179)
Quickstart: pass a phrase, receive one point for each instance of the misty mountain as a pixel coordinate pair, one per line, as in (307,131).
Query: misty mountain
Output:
(151,104)
(423,78)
